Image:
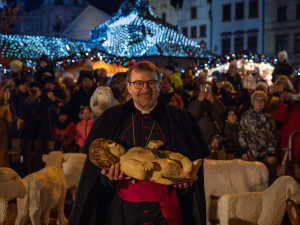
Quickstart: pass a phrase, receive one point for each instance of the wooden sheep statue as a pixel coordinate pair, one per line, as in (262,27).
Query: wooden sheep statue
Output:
(261,208)
(101,100)
(72,167)
(45,189)
(11,186)
(231,176)
(144,163)
(293,212)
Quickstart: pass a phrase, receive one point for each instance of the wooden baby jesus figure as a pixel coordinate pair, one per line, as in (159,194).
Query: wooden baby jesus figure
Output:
(144,163)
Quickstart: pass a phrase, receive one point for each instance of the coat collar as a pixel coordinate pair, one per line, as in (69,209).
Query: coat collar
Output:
(157,113)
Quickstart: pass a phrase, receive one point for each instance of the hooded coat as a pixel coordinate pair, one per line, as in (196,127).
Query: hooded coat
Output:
(182,135)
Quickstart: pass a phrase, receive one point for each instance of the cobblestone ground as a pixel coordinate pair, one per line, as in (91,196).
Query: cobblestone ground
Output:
(12,212)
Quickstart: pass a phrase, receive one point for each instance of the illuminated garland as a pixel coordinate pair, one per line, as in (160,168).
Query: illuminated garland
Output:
(3,3)
(62,50)
(134,32)
(138,34)
(246,55)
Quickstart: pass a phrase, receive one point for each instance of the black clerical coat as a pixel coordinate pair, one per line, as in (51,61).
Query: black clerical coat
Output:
(182,134)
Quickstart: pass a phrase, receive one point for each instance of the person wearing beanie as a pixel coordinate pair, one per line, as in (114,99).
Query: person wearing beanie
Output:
(231,133)
(233,76)
(263,86)
(88,65)
(261,95)
(85,74)
(16,65)
(257,132)
(176,81)
(283,66)
(167,94)
(16,71)
(43,69)
(64,130)
(24,107)
(83,95)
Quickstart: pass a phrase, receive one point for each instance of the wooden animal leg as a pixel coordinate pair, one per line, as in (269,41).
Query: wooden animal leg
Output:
(3,210)
(60,208)
(293,212)
(35,216)
(46,217)
(23,210)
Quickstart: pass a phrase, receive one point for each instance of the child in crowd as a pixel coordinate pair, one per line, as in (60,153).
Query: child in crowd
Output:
(257,131)
(231,132)
(64,130)
(84,126)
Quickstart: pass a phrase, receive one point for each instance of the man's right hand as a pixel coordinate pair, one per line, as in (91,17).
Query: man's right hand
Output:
(202,95)
(114,173)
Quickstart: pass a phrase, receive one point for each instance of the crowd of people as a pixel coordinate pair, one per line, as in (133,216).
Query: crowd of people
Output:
(44,112)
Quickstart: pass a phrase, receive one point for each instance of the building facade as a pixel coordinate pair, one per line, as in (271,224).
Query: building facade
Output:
(164,10)
(49,17)
(194,19)
(282,29)
(237,25)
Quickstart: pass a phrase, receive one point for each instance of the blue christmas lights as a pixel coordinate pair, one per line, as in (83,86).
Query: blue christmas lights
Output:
(136,33)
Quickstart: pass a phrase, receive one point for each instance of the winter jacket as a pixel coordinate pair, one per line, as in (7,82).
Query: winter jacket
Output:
(177,82)
(80,98)
(290,116)
(171,98)
(257,134)
(65,136)
(209,117)
(82,131)
(232,145)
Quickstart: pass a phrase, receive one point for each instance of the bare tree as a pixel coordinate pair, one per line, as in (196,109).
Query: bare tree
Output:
(9,15)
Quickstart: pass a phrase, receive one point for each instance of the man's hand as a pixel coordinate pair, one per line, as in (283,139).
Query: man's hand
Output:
(186,184)
(210,97)
(114,173)
(51,96)
(201,96)
(271,159)
(246,156)
(20,124)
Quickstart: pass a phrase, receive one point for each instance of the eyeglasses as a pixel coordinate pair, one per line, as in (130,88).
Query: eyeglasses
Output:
(139,84)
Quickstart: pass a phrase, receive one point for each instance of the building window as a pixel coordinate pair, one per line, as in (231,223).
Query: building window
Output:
(226,12)
(298,12)
(226,39)
(193,32)
(58,2)
(280,42)
(252,43)
(252,40)
(281,13)
(253,8)
(185,31)
(194,12)
(202,31)
(238,41)
(164,16)
(297,43)
(225,46)
(239,10)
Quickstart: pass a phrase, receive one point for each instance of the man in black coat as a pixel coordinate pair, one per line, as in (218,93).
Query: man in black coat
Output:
(133,124)
(82,96)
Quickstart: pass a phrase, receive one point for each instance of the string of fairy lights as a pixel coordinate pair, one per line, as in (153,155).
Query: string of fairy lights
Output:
(136,35)
(134,32)
(247,56)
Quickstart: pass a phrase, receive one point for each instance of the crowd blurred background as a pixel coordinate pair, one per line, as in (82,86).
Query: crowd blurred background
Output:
(241,114)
